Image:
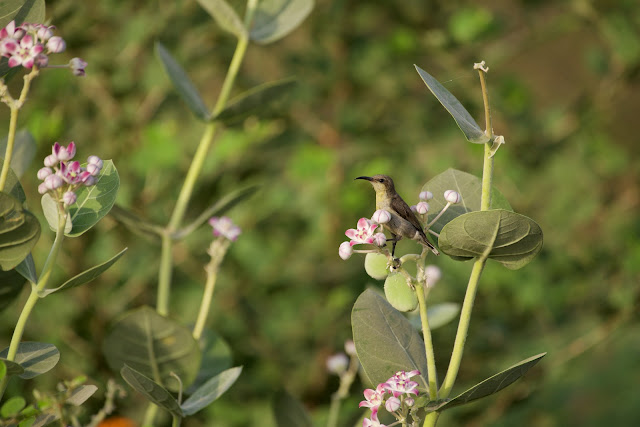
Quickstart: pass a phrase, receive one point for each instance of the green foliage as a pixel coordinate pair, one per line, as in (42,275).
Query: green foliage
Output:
(274,19)
(35,358)
(23,152)
(289,411)
(225,16)
(210,391)
(19,232)
(151,390)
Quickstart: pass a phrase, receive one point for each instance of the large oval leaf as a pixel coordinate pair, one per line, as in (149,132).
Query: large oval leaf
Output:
(24,150)
(468,186)
(385,340)
(225,16)
(216,357)
(509,238)
(210,391)
(19,232)
(465,122)
(35,358)
(275,19)
(154,345)
(92,205)
(151,390)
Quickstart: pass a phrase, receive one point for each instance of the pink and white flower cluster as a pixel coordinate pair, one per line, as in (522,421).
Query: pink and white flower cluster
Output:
(225,227)
(61,176)
(396,394)
(29,45)
(365,233)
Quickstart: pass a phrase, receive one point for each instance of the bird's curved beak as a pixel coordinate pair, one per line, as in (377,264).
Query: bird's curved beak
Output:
(368,178)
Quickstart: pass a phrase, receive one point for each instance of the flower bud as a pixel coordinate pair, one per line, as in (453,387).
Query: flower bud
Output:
(452,196)
(89,181)
(44,33)
(94,170)
(381,216)
(350,347)
(51,160)
(345,250)
(426,195)
(53,182)
(379,239)
(42,188)
(409,401)
(392,404)
(56,44)
(95,160)
(77,66)
(338,363)
(69,198)
(44,172)
(413,208)
(422,208)
(433,274)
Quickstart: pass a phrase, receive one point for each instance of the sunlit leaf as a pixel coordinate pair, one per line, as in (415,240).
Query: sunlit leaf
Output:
(85,276)
(493,384)
(35,358)
(216,357)
(289,411)
(24,150)
(12,406)
(154,345)
(225,16)
(151,390)
(261,100)
(13,368)
(275,19)
(81,394)
(510,238)
(182,83)
(210,391)
(468,186)
(385,340)
(465,122)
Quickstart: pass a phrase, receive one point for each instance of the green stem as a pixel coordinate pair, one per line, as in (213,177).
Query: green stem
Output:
(428,344)
(35,291)
(431,419)
(343,391)
(150,415)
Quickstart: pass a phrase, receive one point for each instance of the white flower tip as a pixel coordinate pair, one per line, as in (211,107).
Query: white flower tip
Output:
(381,216)
(426,195)
(338,363)
(452,196)
(345,251)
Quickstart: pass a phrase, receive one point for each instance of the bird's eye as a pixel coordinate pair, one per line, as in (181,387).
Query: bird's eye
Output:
(381,180)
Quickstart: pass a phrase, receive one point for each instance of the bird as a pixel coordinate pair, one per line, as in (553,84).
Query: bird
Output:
(403,222)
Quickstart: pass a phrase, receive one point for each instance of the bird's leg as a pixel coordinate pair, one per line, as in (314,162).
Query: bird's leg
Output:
(394,238)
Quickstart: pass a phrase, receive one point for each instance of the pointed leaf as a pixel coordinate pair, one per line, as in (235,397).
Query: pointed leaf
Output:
(86,276)
(19,231)
(289,411)
(35,358)
(11,284)
(275,19)
(154,345)
(218,208)
(225,16)
(136,223)
(27,269)
(81,394)
(385,340)
(151,390)
(12,185)
(465,122)
(261,100)
(493,384)
(438,315)
(510,238)
(468,186)
(210,391)
(24,150)
(92,205)
(216,357)
(12,367)
(44,419)
(182,83)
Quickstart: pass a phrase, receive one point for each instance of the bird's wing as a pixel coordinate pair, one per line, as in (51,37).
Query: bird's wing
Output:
(405,211)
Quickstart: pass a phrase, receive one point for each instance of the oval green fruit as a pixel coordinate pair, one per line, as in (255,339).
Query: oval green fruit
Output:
(376,265)
(399,294)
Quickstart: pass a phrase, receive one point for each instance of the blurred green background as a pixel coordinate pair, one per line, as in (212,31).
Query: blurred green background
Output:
(565,90)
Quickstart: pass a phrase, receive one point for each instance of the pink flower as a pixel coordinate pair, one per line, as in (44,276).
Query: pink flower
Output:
(56,45)
(77,66)
(379,239)
(398,386)
(338,363)
(374,398)
(223,226)
(24,45)
(373,422)
(63,153)
(363,234)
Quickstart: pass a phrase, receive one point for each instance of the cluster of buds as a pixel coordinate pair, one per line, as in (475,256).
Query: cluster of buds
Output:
(369,231)
(29,45)
(61,177)
(396,394)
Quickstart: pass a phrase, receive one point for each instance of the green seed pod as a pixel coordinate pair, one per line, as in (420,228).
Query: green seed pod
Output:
(376,265)
(399,294)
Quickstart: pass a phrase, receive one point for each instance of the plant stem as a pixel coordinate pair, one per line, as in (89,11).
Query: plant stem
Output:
(343,391)
(428,344)
(35,291)
(431,419)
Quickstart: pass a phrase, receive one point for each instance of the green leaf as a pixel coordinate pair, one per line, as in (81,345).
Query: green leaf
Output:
(182,83)
(493,384)
(225,16)
(11,284)
(12,406)
(263,100)
(216,357)
(19,231)
(12,367)
(385,340)
(3,370)
(27,268)
(24,150)
(465,122)
(470,189)
(85,276)
(12,185)
(81,394)
(151,390)
(275,19)
(92,205)
(218,208)
(27,422)
(45,419)
(21,11)
(136,223)
(210,391)
(289,411)
(154,345)
(510,238)
(438,315)
(35,358)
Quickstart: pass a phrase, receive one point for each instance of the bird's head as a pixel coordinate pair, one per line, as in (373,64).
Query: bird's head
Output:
(381,183)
